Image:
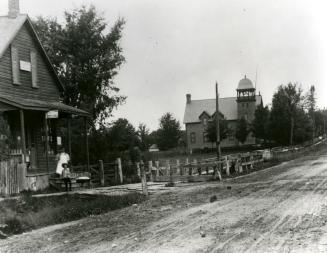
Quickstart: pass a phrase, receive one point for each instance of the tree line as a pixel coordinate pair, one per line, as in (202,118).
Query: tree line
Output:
(292,118)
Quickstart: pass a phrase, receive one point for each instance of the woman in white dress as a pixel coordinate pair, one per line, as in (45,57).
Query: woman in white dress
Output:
(61,157)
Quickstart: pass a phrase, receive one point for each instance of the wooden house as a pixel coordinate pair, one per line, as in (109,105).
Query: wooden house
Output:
(30,94)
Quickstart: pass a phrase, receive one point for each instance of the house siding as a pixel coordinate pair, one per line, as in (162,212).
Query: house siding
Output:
(199,129)
(47,84)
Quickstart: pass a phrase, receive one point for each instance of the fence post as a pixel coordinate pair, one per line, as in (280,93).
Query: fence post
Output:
(157,171)
(178,168)
(101,172)
(120,171)
(251,165)
(189,167)
(227,166)
(150,169)
(240,164)
(143,179)
(167,168)
(198,167)
(138,169)
(169,171)
(219,170)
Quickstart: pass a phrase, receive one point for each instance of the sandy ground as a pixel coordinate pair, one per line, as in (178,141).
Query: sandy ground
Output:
(281,209)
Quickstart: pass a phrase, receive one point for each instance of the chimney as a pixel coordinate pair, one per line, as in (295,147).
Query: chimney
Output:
(188,98)
(13,6)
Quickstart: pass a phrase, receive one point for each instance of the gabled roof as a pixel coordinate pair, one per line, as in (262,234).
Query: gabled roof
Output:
(227,106)
(204,112)
(9,27)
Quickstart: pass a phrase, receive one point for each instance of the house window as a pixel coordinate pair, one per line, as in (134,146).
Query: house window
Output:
(205,121)
(192,137)
(247,105)
(205,138)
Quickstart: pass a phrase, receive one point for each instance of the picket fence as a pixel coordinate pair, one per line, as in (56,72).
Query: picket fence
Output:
(12,176)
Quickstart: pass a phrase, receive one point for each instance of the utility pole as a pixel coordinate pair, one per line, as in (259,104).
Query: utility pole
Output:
(217,125)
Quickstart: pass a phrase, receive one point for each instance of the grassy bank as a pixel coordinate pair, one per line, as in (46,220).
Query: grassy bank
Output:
(26,212)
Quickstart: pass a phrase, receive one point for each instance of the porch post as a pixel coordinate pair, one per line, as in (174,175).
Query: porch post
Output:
(87,145)
(46,140)
(69,138)
(22,129)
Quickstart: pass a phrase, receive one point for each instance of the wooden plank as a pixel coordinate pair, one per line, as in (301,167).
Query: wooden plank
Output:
(34,69)
(46,141)
(86,144)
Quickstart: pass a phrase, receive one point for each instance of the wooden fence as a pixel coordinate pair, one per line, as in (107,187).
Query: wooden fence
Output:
(201,170)
(211,168)
(103,173)
(12,177)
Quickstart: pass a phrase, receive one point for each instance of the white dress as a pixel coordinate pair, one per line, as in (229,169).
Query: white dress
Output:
(62,158)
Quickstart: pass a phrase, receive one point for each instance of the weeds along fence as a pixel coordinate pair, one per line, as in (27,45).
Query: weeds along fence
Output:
(12,176)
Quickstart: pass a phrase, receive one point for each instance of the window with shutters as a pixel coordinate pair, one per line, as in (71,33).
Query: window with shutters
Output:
(34,69)
(15,65)
(205,137)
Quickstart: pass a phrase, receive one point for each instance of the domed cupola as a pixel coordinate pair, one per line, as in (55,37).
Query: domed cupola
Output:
(245,90)
(245,84)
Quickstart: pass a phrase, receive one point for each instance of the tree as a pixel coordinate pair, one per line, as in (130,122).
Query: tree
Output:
(242,130)
(86,58)
(260,124)
(121,136)
(143,135)
(169,132)
(303,127)
(311,107)
(320,121)
(211,131)
(285,104)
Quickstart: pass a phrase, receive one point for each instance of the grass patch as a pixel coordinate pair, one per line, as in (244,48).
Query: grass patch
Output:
(27,212)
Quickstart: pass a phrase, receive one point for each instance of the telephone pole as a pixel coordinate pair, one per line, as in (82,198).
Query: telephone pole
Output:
(217,125)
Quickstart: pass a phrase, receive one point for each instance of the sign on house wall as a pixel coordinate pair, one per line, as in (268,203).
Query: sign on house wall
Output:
(52,114)
(25,65)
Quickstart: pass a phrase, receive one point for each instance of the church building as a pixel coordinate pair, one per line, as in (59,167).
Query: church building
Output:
(198,114)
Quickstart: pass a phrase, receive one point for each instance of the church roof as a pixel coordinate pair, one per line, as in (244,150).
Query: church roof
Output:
(227,106)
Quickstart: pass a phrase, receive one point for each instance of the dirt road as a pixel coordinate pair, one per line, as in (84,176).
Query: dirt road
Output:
(282,209)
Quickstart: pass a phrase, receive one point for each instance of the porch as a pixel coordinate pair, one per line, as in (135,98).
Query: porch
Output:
(38,129)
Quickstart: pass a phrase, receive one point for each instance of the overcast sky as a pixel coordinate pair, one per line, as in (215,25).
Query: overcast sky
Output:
(176,47)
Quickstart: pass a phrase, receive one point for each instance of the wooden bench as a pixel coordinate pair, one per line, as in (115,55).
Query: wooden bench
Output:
(78,180)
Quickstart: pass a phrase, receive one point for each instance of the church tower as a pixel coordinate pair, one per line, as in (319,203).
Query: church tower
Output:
(246,99)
